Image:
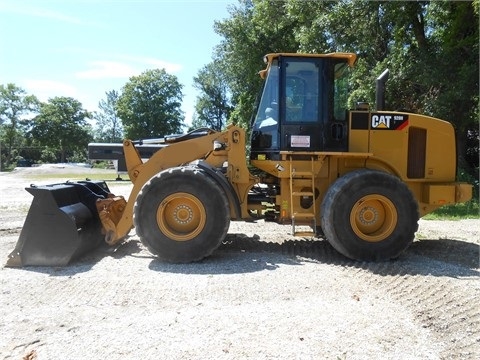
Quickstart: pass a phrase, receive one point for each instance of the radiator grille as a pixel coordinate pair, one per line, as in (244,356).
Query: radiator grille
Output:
(417,143)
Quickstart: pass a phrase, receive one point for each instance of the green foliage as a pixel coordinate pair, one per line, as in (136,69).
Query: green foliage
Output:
(48,156)
(212,107)
(109,126)
(104,164)
(15,107)
(465,175)
(79,156)
(62,126)
(468,210)
(150,105)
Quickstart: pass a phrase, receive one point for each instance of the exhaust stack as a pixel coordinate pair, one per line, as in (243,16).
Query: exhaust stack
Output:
(380,90)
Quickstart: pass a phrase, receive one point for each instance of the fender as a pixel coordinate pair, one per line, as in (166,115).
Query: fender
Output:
(227,187)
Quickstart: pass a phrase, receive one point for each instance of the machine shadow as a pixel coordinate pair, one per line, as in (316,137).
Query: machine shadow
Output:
(240,253)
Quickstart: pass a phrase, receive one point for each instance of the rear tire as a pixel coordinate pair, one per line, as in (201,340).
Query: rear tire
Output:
(181,215)
(369,215)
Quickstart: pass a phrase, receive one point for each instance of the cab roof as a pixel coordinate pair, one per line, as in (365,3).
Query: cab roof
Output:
(350,57)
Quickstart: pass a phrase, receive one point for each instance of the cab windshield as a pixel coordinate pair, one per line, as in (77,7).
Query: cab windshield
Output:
(266,122)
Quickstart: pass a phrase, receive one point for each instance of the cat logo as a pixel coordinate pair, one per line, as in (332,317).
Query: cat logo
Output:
(381,121)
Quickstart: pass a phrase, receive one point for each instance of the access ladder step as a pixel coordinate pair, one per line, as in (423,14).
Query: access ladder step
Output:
(304,233)
(302,193)
(300,215)
(301,173)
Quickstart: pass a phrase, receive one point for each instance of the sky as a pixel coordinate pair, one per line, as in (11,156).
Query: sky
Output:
(84,48)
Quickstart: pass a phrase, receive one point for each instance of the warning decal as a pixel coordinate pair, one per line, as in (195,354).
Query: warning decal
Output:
(300,141)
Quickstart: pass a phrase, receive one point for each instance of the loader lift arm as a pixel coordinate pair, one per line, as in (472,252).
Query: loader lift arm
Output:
(215,149)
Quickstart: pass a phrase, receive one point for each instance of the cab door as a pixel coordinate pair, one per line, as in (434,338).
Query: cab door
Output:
(301,104)
(314,95)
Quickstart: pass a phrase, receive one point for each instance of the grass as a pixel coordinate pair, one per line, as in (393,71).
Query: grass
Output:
(108,176)
(468,210)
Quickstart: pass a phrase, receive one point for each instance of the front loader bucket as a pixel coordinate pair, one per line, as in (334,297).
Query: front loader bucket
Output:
(62,224)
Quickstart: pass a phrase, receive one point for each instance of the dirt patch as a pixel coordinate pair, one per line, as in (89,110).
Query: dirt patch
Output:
(263,294)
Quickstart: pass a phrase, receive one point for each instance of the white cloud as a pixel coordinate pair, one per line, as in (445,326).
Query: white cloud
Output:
(26,8)
(155,63)
(46,89)
(125,67)
(23,8)
(107,70)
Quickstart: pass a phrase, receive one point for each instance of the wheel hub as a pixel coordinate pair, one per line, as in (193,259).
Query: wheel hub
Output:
(181,216)
(368,216)
(373,218)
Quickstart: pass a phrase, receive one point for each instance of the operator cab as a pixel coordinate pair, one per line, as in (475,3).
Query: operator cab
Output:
(303,105)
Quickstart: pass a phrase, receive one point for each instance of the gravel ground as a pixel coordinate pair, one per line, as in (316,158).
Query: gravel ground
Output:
(262,295)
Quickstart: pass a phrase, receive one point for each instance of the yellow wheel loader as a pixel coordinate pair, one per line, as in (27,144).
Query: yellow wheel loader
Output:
(359,176)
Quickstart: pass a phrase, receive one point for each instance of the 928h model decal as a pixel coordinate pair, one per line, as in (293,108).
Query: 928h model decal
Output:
(388,121)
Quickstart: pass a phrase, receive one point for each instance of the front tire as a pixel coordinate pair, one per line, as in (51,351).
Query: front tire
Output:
(369,215)
(181,215)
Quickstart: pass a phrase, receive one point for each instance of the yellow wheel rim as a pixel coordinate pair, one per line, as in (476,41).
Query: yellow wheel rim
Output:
(373,218)
(181,216)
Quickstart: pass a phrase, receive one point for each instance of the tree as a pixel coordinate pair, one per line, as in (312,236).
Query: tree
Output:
(149,105)
(212,107)
(109,126)
(15,106)
(62,126)
(454,79)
